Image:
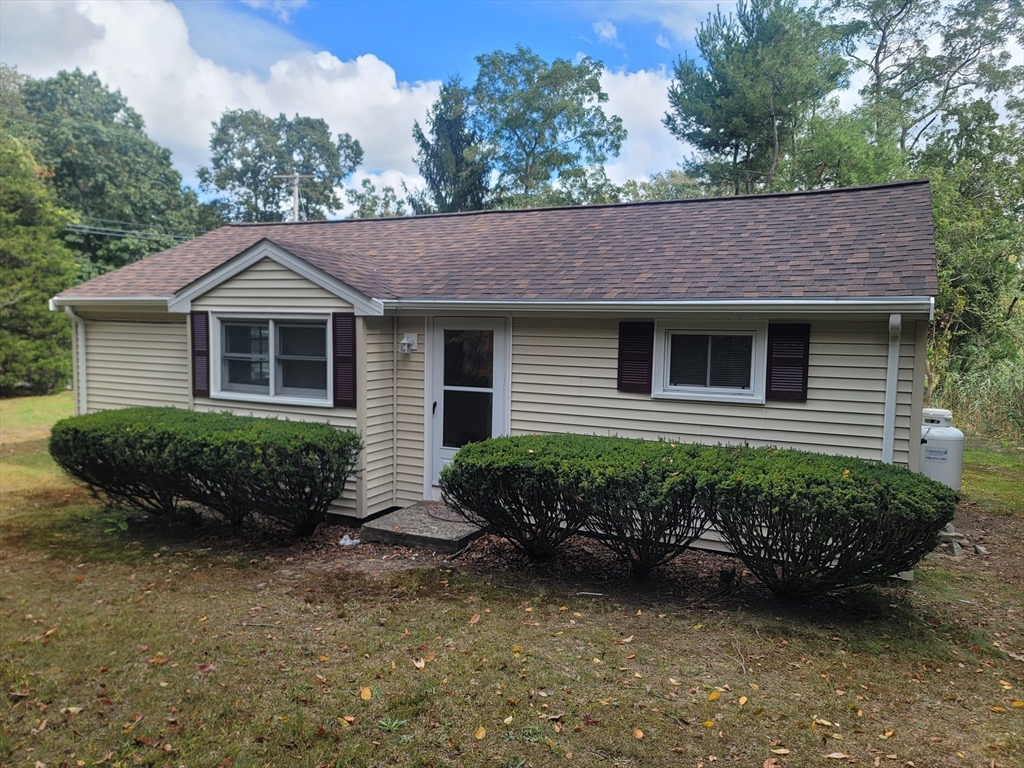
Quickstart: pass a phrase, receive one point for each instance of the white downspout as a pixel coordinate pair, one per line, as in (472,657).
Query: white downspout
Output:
(81,392)
(891,379)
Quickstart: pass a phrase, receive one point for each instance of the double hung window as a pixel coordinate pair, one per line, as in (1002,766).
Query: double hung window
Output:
(274,358)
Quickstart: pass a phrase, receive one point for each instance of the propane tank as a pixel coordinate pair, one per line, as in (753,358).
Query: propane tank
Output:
(942,448)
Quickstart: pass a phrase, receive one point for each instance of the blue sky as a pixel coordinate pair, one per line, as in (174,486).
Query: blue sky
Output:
(368,68)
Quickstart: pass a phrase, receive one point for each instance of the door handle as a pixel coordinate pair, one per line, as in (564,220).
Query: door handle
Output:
(434,411)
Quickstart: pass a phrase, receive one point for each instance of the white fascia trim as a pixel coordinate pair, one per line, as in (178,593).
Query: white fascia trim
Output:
(878,307)
(363,304)
(113,302)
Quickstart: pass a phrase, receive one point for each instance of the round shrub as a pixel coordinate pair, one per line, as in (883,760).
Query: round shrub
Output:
(124,455)
(155,458)
(807,524)
(647,501)
(524,489)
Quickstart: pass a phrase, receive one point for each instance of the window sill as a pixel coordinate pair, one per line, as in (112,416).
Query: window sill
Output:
(245,397)
(752,398)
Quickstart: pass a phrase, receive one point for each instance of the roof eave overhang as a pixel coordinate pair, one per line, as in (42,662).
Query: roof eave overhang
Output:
(110,302)
(917,307)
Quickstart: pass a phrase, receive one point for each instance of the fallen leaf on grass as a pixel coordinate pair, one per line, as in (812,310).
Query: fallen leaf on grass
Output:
(207,667)
(475,619)
(419,663)
(507,720)
(709,723)
(480,733)
(637,733)
(1017,704)
(887,734)
(780,751)
(624,640)
(771,762)
(346,720)
(365,694)
(743,700)
(998,709)
(71,710)
(714,695)
(837,756)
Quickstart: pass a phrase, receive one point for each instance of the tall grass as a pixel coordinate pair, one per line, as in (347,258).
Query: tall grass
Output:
(988,400)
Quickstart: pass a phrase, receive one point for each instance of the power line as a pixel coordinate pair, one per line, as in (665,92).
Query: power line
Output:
(84,229)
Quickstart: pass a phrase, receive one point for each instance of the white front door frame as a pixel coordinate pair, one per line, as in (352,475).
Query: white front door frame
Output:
(436,455)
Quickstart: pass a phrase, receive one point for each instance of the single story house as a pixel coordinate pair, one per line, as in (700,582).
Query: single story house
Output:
(786,319)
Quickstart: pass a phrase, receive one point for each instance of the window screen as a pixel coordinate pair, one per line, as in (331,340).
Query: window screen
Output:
(709,360)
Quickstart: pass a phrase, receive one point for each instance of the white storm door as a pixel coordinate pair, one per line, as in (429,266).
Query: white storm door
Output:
(470,380)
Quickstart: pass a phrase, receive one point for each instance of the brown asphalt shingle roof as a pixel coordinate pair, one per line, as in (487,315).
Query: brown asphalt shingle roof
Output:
(855,242)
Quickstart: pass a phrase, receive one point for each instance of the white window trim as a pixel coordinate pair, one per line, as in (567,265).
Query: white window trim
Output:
(660,389)
(217,392)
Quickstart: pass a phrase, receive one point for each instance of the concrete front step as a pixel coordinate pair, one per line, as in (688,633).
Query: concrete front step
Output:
(424,525)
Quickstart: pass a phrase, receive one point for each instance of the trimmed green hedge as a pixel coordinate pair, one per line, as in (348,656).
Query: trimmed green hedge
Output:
(806,524)
(524,489)
(647,501)
(154,459)
(803,523)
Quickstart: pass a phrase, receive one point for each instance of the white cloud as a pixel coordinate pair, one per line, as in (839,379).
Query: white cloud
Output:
(606,32)
(641,100)
(237,40)
(144,49)
(283,9)
(661,40)
(680,20)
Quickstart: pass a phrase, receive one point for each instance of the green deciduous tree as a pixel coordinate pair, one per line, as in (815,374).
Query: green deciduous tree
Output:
(35,343)
(540,120)
(369,204)
(762,73)
(102,164)
(248,149)
(673,184)
(976,164)
(450,157)
(925,58)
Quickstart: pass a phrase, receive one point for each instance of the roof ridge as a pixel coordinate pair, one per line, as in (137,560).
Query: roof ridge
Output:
(632,204)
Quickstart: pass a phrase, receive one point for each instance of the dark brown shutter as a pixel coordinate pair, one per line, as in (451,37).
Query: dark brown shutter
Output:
(201,354)
(789,348)
(343,327)
(636,356)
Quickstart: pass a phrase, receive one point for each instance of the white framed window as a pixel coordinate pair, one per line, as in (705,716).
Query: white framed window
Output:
(267,358)
(712,362)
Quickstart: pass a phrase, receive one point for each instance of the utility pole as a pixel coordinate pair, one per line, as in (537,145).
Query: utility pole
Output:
(295,179)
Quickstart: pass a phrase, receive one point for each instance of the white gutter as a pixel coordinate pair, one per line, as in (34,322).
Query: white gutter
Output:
(81,391)
(123,302)
(879,307)
(891,379)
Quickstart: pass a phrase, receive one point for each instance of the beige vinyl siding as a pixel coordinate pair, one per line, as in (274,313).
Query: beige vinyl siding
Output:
(133,363)
(267,286)
(377,367)
(564,380)
(393,420)
(410,452)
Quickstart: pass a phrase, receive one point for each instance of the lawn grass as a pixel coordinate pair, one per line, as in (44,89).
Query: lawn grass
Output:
(123,643)
(994,477)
